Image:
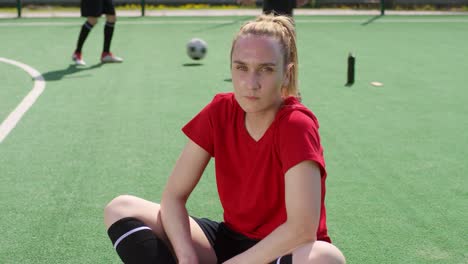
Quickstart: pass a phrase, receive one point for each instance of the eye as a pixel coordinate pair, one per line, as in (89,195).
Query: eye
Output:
(267,69)
(241,67)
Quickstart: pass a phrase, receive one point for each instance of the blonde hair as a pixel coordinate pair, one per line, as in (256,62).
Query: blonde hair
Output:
(282,29)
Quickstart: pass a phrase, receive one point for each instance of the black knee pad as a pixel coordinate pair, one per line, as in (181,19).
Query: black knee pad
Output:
(137,244)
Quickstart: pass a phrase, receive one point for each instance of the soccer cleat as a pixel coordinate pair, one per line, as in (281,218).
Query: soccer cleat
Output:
(109,57)
(78,59)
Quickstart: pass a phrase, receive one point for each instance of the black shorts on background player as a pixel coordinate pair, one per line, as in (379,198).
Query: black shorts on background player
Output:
(279,7)
(95,8)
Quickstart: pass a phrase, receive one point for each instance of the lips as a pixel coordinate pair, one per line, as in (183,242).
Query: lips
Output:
(252,98)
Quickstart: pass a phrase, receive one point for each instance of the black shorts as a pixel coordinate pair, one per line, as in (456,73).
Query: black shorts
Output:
(279,7)
(227,243)
(95,8)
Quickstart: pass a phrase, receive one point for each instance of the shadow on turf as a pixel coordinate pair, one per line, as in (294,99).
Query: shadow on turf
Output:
(192,64)
(372,19)
(71,69)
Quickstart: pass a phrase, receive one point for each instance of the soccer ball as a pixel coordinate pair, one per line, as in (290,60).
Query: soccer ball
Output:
(196,48)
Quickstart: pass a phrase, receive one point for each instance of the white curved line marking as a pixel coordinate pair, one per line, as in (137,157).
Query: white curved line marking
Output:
(14,117)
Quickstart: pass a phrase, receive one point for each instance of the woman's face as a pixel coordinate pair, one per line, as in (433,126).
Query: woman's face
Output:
(258,73)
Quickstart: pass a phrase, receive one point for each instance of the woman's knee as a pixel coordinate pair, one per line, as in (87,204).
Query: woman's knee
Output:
(118,208)
(318,252)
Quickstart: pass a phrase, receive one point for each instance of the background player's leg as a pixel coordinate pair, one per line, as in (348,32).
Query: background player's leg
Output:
(107,56)
(90,9)
(85,29)
(108,32)
(111,17)
(84,32)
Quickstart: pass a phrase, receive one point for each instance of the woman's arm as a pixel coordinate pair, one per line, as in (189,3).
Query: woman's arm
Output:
(303,194)
(183,179)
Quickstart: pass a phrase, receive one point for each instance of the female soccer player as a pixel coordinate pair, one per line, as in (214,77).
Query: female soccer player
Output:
(270,171)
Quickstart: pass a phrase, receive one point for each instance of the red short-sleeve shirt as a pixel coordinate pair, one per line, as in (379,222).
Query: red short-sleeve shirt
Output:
(250,174)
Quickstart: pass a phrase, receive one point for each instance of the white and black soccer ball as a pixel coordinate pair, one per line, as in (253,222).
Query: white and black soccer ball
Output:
(197,48)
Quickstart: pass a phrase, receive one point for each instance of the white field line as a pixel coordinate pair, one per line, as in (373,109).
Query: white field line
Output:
(194,21)
(14,117)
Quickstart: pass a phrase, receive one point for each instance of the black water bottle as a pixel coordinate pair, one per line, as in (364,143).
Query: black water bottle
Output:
(351,63)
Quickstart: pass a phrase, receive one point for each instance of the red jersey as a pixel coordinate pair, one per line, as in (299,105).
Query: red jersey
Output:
(250,174)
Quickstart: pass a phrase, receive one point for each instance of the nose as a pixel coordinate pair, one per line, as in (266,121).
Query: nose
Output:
(252,81)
